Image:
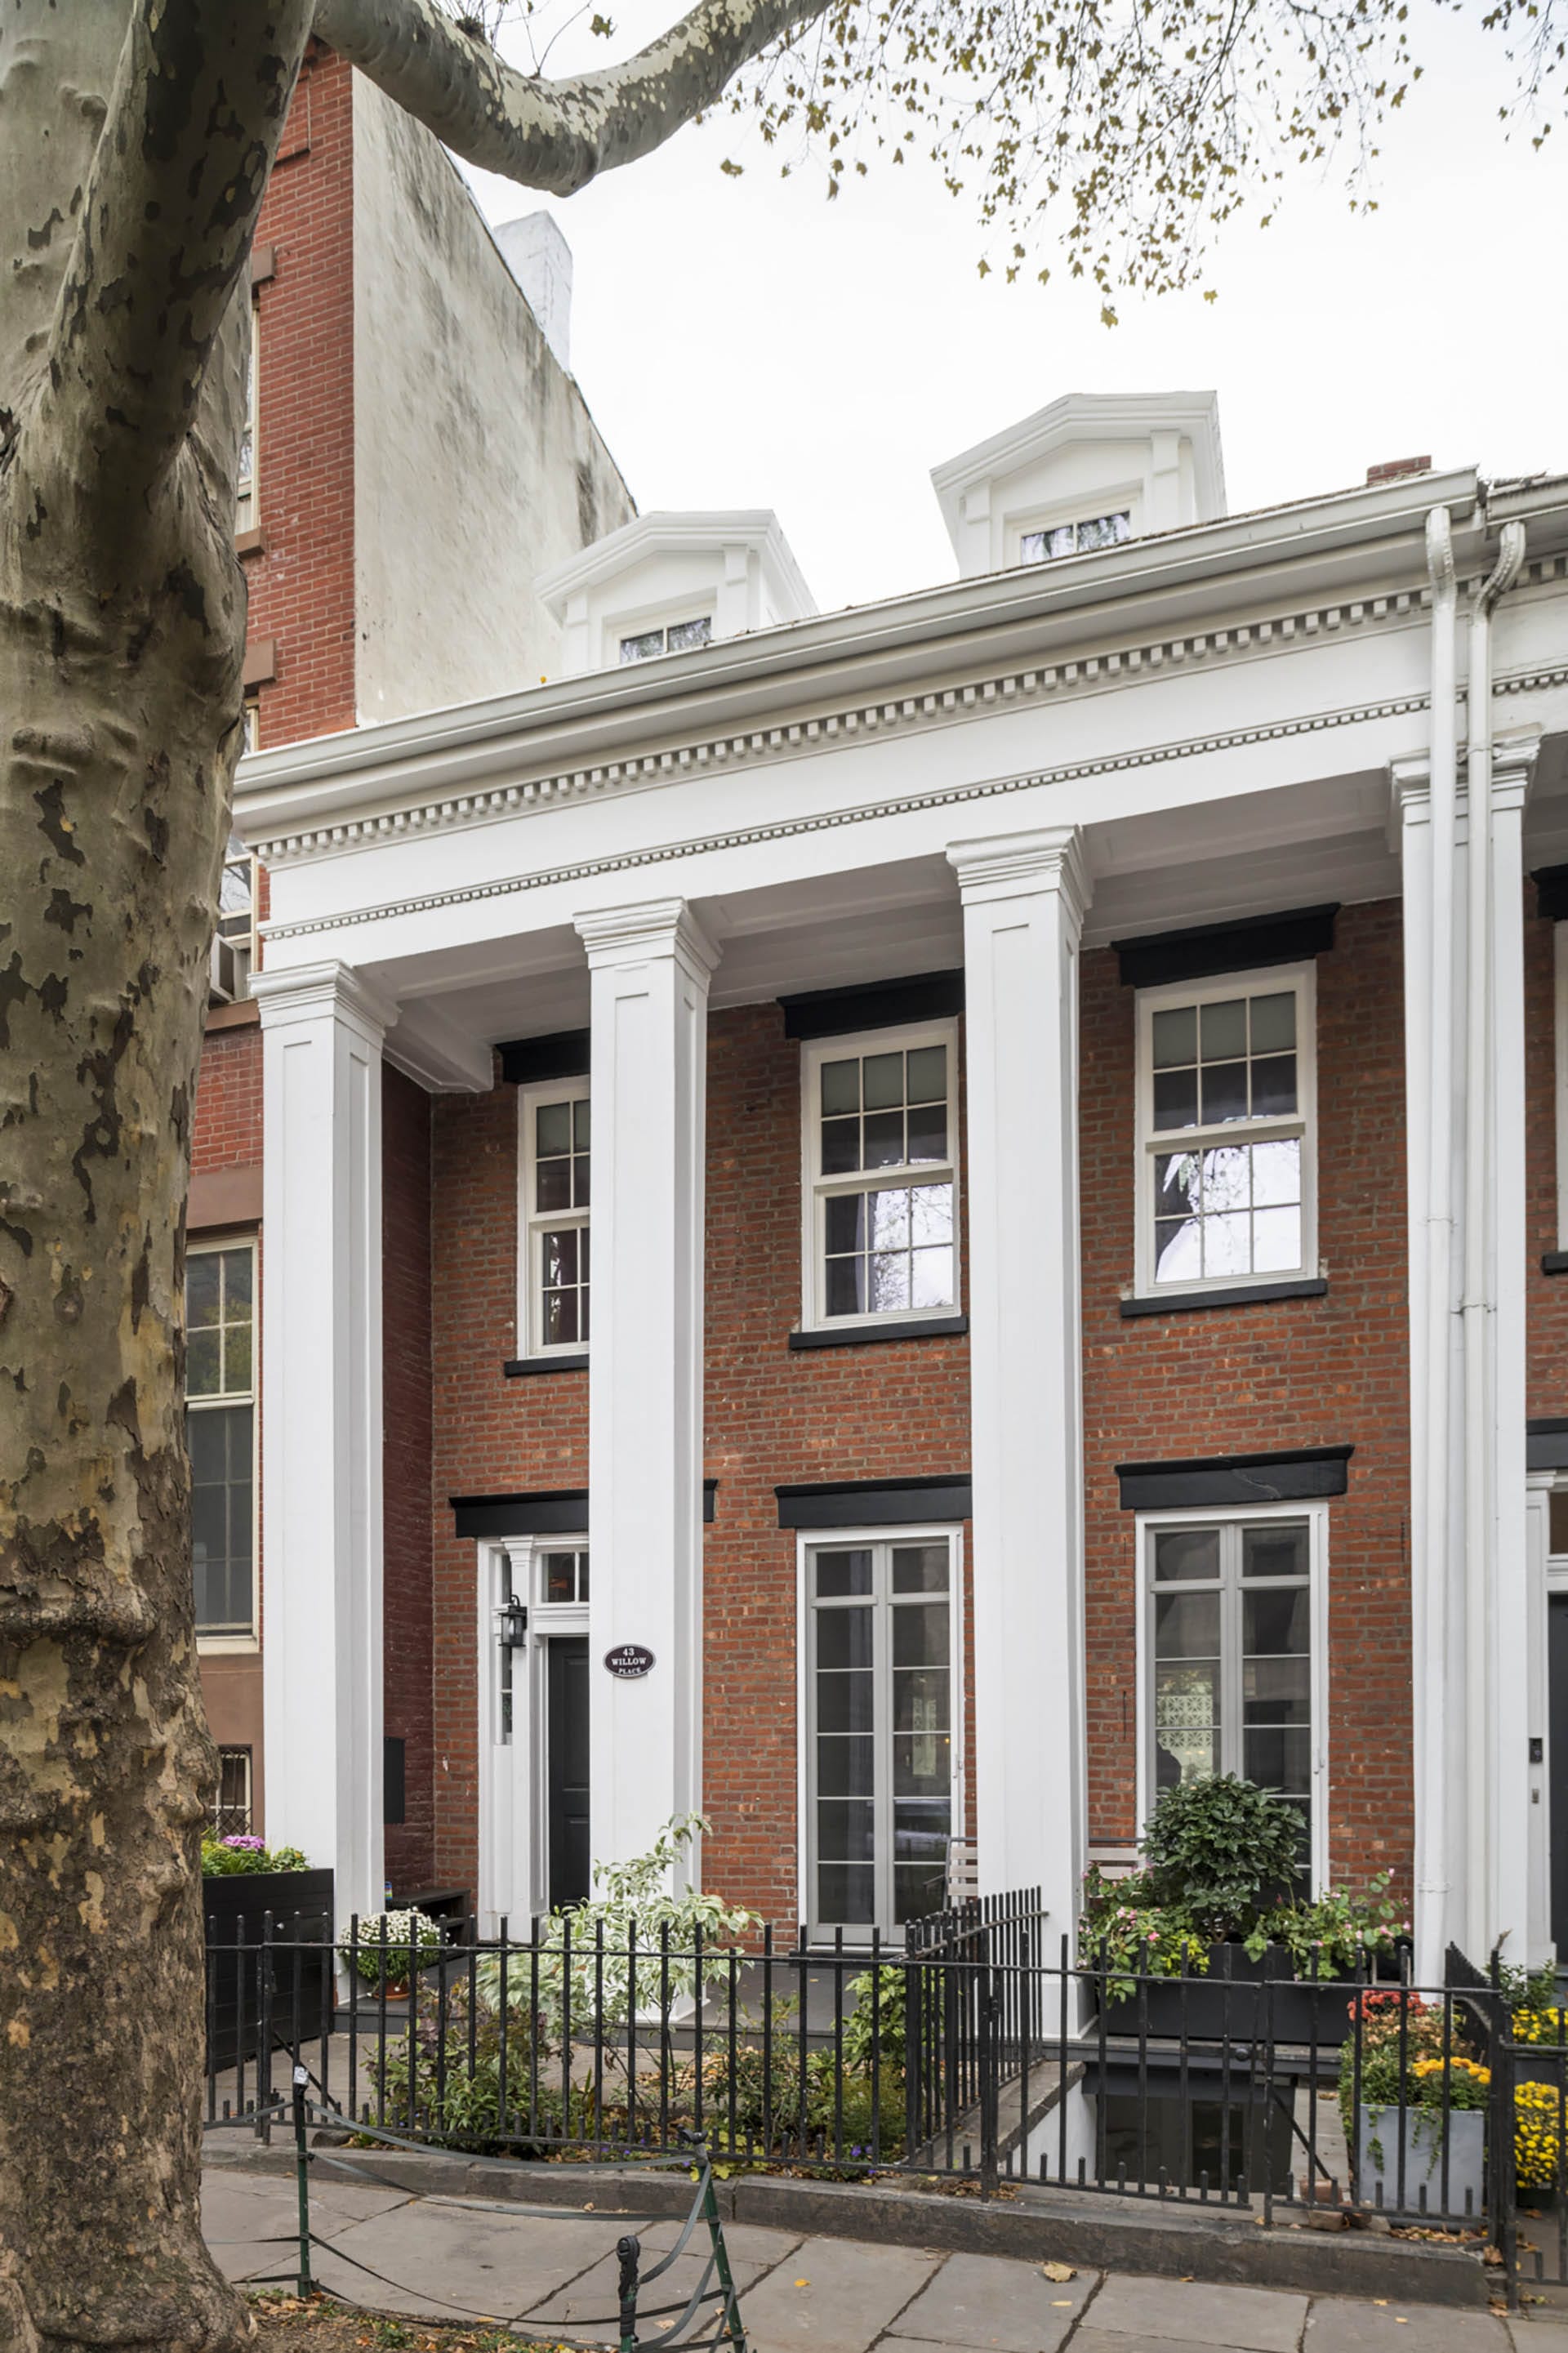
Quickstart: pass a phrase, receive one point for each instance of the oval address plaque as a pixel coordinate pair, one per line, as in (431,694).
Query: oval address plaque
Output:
(627,1661)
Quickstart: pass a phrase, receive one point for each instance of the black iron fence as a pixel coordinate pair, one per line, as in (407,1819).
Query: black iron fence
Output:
(981,2046)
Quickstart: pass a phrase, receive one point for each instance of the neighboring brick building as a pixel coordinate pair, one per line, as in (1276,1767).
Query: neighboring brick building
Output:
(416,450)
(1053,1328)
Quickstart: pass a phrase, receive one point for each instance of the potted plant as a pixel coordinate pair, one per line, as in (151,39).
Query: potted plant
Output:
(387,1948)
(288,1991)
(1420,2110)
(1219,1901)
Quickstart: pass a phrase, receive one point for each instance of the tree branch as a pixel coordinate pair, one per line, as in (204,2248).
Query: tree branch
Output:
(177,180)
(554,135)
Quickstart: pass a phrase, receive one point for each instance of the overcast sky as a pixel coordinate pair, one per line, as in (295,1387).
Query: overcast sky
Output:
(743,342)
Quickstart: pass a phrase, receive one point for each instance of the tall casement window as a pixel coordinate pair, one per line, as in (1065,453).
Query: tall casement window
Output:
(1232,1644)
(220,1431)
(881,1193)
(1227,1096)
(552,1304)
(881,1637)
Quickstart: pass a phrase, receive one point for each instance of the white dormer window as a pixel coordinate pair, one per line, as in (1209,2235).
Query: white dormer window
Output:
(680,637)
(1076,538)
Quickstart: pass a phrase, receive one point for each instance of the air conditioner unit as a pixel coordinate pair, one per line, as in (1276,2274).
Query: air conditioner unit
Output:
(223,972)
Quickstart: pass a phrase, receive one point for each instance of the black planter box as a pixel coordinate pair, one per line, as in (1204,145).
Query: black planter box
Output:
(259,1996)
(1231,2001)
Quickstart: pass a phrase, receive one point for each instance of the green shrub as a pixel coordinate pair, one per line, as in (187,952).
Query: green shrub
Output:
(1223,1851)
(226,1857)
(412,1938)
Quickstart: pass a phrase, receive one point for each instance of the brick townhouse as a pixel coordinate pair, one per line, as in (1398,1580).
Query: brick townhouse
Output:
(415,439)
(1065,1116)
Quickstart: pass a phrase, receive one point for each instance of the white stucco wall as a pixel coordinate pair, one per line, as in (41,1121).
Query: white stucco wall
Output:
(477,464)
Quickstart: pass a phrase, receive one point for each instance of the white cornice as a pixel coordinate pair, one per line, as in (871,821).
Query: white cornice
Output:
(858,813)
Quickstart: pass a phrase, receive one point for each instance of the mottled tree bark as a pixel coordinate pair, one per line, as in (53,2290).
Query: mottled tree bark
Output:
(135,141)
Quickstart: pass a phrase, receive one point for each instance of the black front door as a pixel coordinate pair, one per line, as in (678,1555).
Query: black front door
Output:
(567,1748)
(1557,1715)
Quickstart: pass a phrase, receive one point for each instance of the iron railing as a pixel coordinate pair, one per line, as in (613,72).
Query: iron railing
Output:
(979,2046)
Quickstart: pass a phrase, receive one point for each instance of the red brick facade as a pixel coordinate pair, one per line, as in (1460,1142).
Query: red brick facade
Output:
(1306,1372)
(228,1131)
(301,580)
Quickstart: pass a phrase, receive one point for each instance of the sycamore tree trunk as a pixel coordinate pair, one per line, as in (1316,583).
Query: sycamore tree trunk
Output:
(135,141)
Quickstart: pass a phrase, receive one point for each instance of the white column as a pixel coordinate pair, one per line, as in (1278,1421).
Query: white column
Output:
(649,966)
(1023,900)
(320,1421)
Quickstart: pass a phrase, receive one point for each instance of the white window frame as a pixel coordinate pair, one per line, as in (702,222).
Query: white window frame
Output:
(216,1646)
(815,1189)
(248,488)
(1115,498)
(532,1223)
(514,1826)
(1316,1516)
(810,1540)
(1267,980)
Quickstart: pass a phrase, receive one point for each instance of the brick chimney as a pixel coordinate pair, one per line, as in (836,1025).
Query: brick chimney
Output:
(1393,467)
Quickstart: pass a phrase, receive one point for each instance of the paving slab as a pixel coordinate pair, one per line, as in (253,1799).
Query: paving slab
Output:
(1180,2312)
(437,2256)
(834,2296)
(989,2301)
(1339,2325)
(1536,2334)
(585,2310)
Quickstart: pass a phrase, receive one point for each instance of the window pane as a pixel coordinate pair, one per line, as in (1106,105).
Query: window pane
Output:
(846,1703)
(559,1258)
(928,1132)
(642,648)
(552,1128)
(237,1283)
(1276,1620)
(1274,1023)
(1276,1241)
(846,1765)
(1186,1625)
(1274,1086)
(553,1185)
(1175,1099)
(1178,1182)
(844,1639)
(927,1075)
(1224,1091)
(841,1086)
(1275,1691)
(921,1827)
(1557,1505)
(1185,1553)
(838,1573)
(1276,1551)
(931,1213)
(1226,1179)
(846,1893)
(921,1631)
(884,1145)
(923,1764)
(921,1699)
(889,1217)
(560,1577)
(581,1123)
(1186,1723)
(845,1223)
(581,1167)
(203,1286)
(1175,1037)
(203,1363)
(883,1078)
(684,635)
(561,1319)
(920,1568)
(846,1830)
(840,1146)
(919,1890)
(1278,1760)
(890,1284)
(1223,1029)
(1275,1172)
(1178,1250)
(931,1279)
(846,1286)
(236,1357)
(1227,1244)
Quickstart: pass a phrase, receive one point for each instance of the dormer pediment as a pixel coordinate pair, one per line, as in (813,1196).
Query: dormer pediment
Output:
(669,583)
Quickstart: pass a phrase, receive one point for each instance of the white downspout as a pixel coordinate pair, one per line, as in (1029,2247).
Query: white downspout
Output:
(1483,1730)
(1430,1594)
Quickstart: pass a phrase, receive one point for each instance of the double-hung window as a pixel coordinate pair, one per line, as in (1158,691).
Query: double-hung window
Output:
(1226,1176)
(881,1641)
(1232,1647)
(552,1304)
(881,1175)
(220,1433)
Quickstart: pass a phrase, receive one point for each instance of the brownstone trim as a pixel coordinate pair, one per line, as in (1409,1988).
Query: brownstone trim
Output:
(224,1197)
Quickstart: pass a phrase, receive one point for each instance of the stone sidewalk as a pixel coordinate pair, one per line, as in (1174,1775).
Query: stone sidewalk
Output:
(550,2272)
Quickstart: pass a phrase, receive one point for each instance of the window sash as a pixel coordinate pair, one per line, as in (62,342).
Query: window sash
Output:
(1231,1588)
(883,1605)
(534,1224)
(1157,1143)
(239,1399)
(906,1176)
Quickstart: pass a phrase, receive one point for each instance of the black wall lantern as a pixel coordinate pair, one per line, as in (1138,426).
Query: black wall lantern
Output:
(511,1624)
